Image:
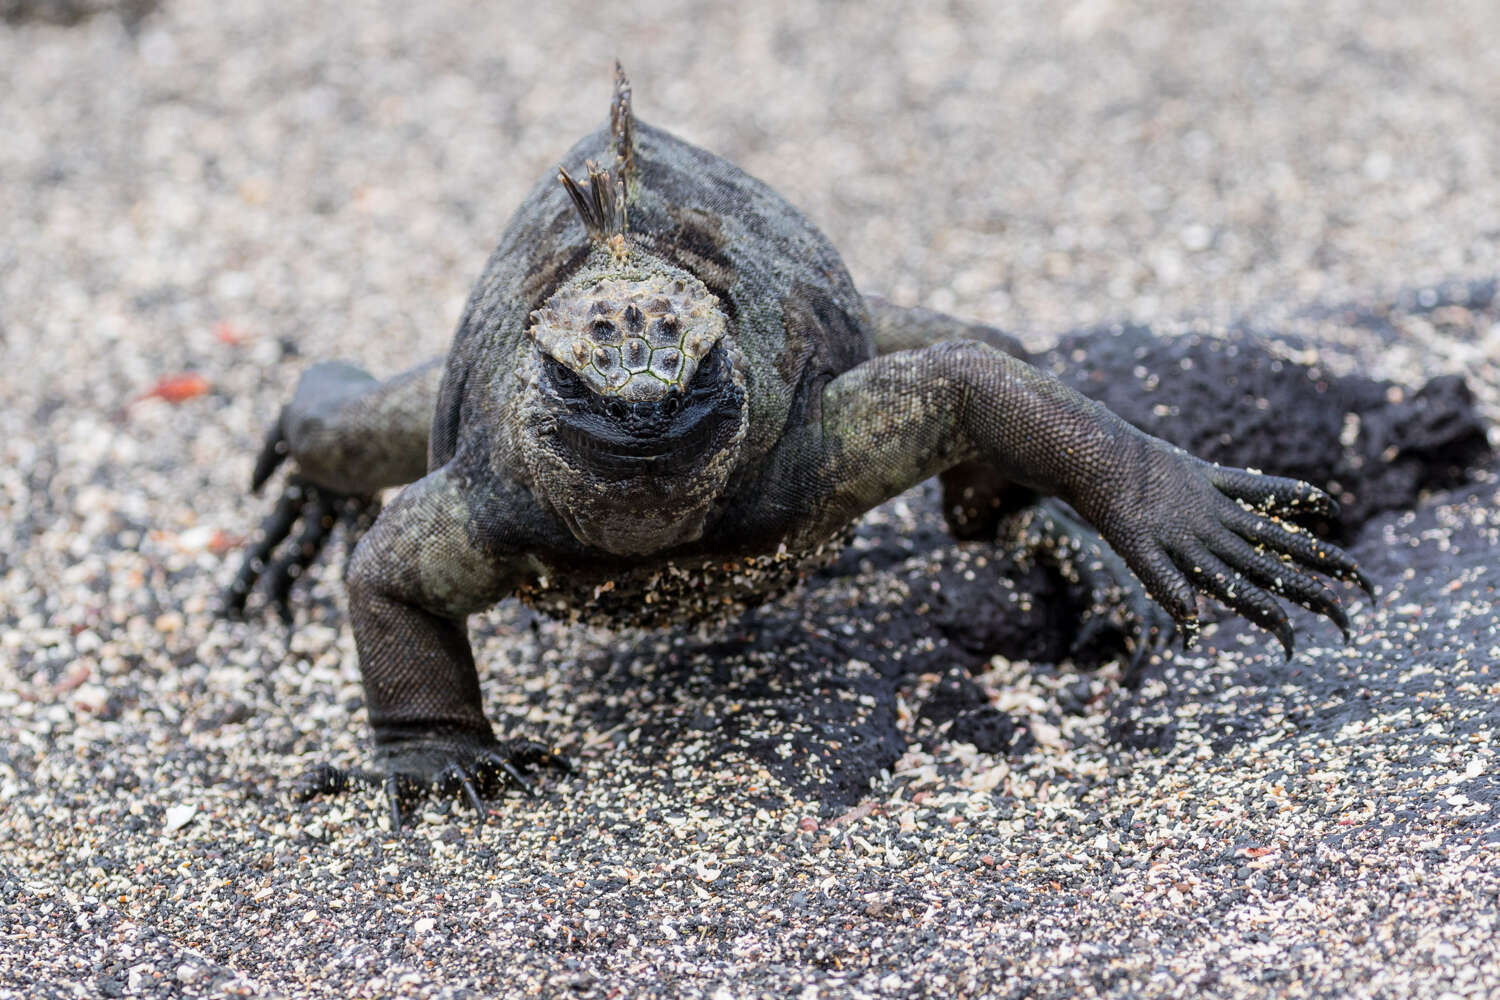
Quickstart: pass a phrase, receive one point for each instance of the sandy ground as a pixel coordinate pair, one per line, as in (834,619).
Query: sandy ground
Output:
(229,190)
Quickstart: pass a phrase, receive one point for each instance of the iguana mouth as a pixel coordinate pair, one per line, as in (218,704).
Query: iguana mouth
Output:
(667,435)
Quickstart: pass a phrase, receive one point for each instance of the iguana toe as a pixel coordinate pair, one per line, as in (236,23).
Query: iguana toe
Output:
(414,770)
(276,565)
(473,767)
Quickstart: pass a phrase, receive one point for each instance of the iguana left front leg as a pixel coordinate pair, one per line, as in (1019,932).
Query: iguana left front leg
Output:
(348,436)
(1181,524)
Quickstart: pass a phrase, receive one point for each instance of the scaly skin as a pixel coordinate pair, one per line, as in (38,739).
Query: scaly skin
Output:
(579,437)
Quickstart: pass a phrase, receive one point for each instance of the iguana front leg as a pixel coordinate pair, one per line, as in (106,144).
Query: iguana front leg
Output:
(981,504)
(1181,524)
(348,436)
(437,554)
(977,498)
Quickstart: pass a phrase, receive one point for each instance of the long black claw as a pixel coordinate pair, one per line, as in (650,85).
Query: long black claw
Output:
(455,775)
(319,514)
(515,775)
(1289,580)
(393,800)
(1288,639)
(1298,543)
(1281,577)
(472,770)
(534,754)
(1343,567)
(1218,579)
(271,562)
(475,802)
(273,531)
(1253,604)
(272,453)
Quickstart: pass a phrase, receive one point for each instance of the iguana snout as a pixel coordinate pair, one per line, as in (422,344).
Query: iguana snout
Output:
(666,435)
(631,394)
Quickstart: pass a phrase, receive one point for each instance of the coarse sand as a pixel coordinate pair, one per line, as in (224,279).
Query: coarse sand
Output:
(197,199)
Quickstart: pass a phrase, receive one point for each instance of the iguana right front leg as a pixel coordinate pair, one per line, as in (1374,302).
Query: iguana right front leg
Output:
(437,554)
(982,503)
(348,436)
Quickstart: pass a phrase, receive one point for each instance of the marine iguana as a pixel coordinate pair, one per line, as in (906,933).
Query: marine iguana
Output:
(666,401)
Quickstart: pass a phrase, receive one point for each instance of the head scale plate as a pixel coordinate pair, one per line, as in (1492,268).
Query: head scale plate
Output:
(635,338)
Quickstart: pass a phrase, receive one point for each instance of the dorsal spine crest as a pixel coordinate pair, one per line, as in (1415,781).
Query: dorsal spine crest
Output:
(601,203)
(622,127)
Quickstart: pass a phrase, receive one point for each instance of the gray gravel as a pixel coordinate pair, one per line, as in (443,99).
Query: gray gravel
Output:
(230,190)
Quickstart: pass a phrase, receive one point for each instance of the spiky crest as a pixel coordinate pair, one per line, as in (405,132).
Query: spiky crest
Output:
(622,127)
(601,204)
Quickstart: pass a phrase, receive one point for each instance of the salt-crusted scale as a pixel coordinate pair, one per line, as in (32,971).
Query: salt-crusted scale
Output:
(679,592)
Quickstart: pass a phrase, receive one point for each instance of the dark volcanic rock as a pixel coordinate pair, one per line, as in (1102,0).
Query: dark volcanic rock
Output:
(806,686)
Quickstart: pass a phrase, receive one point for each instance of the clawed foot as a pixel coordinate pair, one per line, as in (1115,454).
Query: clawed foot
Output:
(270,558)
(410,771)
(1122,611)
(1231,534)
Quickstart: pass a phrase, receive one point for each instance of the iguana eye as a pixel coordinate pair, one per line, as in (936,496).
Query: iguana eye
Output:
(710,372)
(565,381)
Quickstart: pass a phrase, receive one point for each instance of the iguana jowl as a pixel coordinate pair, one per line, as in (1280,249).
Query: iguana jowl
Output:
(668,412)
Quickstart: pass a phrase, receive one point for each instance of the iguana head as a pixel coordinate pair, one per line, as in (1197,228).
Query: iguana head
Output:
(633,401)
(633,333)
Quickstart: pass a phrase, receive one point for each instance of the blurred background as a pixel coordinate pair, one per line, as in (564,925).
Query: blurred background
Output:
(337,173)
